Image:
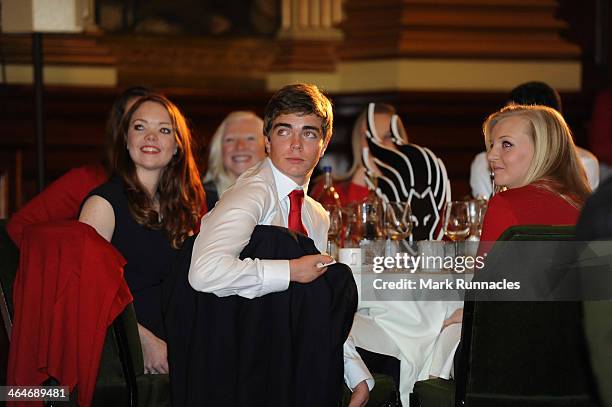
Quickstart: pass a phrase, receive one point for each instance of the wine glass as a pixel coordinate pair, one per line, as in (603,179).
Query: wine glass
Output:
(476,210)
(398,224)
(456,222)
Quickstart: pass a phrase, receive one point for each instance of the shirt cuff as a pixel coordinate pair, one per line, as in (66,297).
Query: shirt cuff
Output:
(275,276)
(355,371)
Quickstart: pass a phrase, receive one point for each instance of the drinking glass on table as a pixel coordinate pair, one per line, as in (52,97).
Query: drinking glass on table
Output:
(456,222)
(397,225)
(365,229)
(334,234)
(476,211)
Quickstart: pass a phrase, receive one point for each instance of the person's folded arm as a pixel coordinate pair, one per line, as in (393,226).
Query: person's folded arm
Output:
(224,233)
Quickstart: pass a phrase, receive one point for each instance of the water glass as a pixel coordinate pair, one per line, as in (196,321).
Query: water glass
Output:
(398,224)
(456,220)
(476,212)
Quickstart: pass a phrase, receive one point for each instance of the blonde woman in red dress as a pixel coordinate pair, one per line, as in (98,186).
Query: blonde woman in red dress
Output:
(537,172)
(538,176)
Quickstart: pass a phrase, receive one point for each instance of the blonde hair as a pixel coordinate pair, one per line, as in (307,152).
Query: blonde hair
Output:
(555,165)
(217,172)
(358,132)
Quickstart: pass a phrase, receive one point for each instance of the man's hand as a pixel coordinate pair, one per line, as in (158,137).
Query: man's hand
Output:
(154,352)
(360,396)
(306,269)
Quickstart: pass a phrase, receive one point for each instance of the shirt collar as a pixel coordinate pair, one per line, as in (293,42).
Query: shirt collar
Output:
(284,184)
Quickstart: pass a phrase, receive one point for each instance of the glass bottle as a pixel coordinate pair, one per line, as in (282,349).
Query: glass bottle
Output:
(328,197)
(330,200)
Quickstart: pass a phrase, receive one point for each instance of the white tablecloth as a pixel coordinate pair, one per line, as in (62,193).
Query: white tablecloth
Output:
(407,330)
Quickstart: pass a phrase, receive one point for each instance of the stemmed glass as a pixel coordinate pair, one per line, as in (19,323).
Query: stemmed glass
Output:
(476,210)
(456,221)
(397,220)
(398,223)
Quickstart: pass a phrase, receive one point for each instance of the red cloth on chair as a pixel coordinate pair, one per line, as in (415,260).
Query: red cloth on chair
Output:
(68,290)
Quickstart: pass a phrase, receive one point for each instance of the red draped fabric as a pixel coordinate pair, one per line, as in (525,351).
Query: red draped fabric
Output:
(68,290)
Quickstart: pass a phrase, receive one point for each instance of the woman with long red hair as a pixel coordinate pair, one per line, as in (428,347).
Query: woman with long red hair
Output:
(152,203)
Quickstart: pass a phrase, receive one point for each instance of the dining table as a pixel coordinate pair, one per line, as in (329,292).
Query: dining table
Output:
(401,312)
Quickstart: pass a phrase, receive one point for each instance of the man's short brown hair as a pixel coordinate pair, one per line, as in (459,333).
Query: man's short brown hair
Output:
(301,99)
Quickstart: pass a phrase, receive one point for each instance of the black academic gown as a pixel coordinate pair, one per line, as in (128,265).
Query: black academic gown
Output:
(281,349)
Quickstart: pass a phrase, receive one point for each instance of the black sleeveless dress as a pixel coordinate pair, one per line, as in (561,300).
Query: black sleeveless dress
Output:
(148,253)
(212,195)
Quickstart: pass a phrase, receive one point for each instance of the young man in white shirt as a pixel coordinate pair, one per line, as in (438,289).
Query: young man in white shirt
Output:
(297,127)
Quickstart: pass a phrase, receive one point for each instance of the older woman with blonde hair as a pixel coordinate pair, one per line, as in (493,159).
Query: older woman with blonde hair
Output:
(537,172)
(238,144)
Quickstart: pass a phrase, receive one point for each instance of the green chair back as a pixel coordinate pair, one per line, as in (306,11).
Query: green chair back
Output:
(526,352)
(516,353)
(538,233)
(121,379)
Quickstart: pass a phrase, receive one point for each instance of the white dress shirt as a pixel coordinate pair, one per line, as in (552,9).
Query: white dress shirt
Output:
(480,180)
(259,197)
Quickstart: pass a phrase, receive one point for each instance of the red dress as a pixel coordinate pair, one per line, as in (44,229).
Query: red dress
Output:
(61,200)
(528,205)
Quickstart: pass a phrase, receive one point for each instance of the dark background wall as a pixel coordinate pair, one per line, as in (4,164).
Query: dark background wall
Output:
(449,123)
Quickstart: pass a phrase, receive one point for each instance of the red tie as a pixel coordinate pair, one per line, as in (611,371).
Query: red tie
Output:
(296,197)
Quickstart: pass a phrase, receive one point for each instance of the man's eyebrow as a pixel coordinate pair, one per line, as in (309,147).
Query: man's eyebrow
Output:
(306,127)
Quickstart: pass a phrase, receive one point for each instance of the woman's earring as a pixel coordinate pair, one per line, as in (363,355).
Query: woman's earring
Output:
(175,150)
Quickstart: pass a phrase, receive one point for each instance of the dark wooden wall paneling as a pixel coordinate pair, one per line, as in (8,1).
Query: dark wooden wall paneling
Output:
(447,122)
